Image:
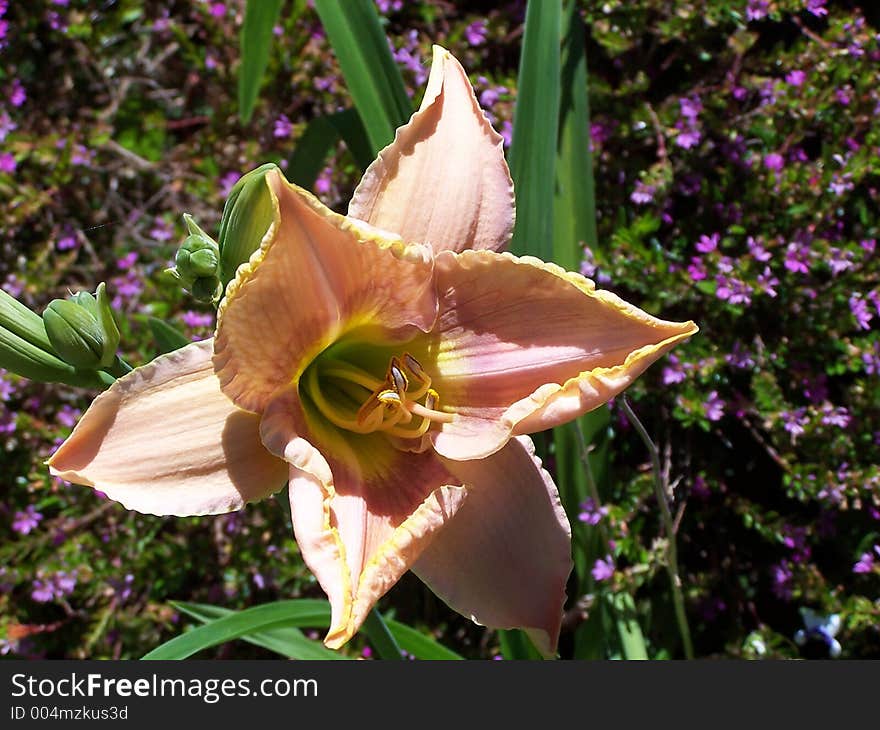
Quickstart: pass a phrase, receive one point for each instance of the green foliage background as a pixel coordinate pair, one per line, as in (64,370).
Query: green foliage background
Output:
(767,421)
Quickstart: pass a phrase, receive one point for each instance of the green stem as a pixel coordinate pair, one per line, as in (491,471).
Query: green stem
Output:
(380,637)
(660,490)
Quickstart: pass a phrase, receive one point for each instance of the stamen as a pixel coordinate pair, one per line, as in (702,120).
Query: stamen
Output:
(415,368)
(396,376)
(313,388)
(390,406)
(345,371)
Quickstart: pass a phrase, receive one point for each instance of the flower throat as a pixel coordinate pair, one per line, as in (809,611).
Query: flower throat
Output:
(403,405)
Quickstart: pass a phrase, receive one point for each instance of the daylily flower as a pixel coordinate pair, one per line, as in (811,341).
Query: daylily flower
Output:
(388,364)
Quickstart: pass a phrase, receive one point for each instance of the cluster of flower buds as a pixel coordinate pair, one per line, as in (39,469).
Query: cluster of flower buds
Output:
(197,264)
(204,266)
(73,343)
(82,329)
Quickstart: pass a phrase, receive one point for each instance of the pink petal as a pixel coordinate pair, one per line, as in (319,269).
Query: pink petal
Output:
(505,558)
(521,346)
(443,180)
(164,440)
(361,520)
(317,275)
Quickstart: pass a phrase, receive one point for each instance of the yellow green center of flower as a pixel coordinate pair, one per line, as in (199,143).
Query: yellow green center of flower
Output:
(403,404)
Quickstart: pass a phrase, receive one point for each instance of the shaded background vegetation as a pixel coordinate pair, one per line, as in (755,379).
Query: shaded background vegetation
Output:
(735,151)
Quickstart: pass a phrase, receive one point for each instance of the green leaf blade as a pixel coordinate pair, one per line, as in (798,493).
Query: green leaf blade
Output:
(260,17)
(374,81)
(535,130)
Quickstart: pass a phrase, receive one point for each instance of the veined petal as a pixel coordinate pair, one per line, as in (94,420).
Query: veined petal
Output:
(316,276)
(521,345)
(505,558)
(164,440)
(443,180)
(361,520)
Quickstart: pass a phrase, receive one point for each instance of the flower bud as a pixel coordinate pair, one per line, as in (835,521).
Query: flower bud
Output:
(82,329)
(247,215)
(197,263)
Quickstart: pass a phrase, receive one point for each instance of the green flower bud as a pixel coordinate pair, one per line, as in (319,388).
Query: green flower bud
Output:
(82,329)
(197,263)
(247,215)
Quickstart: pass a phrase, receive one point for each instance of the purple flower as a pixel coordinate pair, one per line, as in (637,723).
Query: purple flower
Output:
(782,579)
(839,260)
(324,181)
(227,182)
(871,360)
(642,194)
(797,258)
(713,406)
(690,107)
(816,7)
(794,421)
(707,244)
(767,282)
(6,125)
(795,539)
(57,586)
(859,309)
(476,32)
(7,162)
(81,155)
(68,415)
(795,78)
(757,251)
(739,358)
(66,243)
(386,6)
(27,521)
(757,9)
(161,230)
(867,561)
(17,94)
(673,373)
(688,138)
(591,513)
(489,96)
(197,319)
(603,568)
(283,127)
(506,132)
(774,162)
(696,269)
(835,416)
(218,10)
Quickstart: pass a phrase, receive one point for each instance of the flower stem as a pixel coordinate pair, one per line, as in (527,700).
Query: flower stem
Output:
(380,637)
(661,491)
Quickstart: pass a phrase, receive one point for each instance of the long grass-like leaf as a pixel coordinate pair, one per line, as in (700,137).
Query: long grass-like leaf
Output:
(274,626)
(260,17)
(372,76)
(287,641)
(320,138)
(168,338)
(296,612)
(535,130)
